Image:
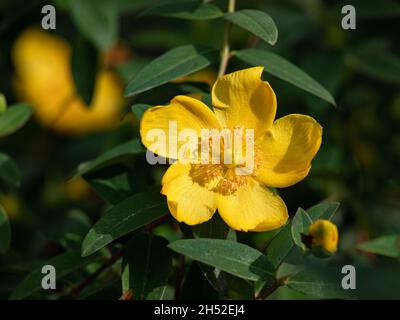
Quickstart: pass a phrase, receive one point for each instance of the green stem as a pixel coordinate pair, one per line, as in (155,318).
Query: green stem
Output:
(225,51)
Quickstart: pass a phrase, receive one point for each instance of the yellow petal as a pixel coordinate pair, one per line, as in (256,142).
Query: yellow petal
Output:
(182,113)
(253,208)
(287,150)
(242,99)
(188,201)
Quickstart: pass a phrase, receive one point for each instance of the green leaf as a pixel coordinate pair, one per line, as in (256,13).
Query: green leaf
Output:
(117,154)
(139,109)
(317,285)
(97,20)
(283,69)
(323,210)
(173,64)
(388,246)
(146,266)
(14,118)
(64,264)
(185,9)
(215,228)
(84,68)
(9,173)
(5,231)
(300,224)
(128,215)
(257,22)
(280,246)
(232,257)
(380,65)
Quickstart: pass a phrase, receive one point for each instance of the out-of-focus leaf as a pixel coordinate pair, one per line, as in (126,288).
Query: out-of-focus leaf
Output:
(64,264)
(97,20)
(380,65)
(388,246)
(300,224)
(5,231)
(139,109)
(173,64)
(9,173)
(185,9)
(117,154)
(257,22)
(196,286)
(235,258)
(14,118)
(283,69)
(128,215)
(75,227)
(84,68)
(369,9)
(146,266)
(323,210)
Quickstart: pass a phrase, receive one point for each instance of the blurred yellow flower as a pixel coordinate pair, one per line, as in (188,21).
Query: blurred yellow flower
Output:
(283,150)
(12,205)
(324,234)
(44,79)
(76,189)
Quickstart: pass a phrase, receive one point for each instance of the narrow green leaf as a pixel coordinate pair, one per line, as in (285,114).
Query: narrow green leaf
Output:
(173,64)
(9,173)
(64,264)
(146,266)
(13,118)
(323,210)
(232,257)
(283,69)
(280,246)
(5,231)
(388,246)
(117,154)
(300,224)
(257,22)
(128,215)
(97,20)
(185,9)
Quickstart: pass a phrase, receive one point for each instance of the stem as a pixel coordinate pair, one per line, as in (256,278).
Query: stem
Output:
(269,290)
(77,290)
(225,51)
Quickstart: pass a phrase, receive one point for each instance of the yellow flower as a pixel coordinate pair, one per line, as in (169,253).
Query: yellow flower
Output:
(12,205)
(283,150)
(324,234)
(45,80)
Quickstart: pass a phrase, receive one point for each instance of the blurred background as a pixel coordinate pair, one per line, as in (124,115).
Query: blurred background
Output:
(357,164)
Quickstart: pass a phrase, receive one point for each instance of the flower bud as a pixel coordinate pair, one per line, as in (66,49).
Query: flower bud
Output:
(323,235)
(3,103)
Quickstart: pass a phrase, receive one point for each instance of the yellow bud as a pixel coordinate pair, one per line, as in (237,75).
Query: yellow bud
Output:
(3,103)
(324,234)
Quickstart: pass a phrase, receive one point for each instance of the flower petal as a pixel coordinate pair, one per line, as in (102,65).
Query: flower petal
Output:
(287,150)
(182,113)
(253,208)
(242,99)
(188,201)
